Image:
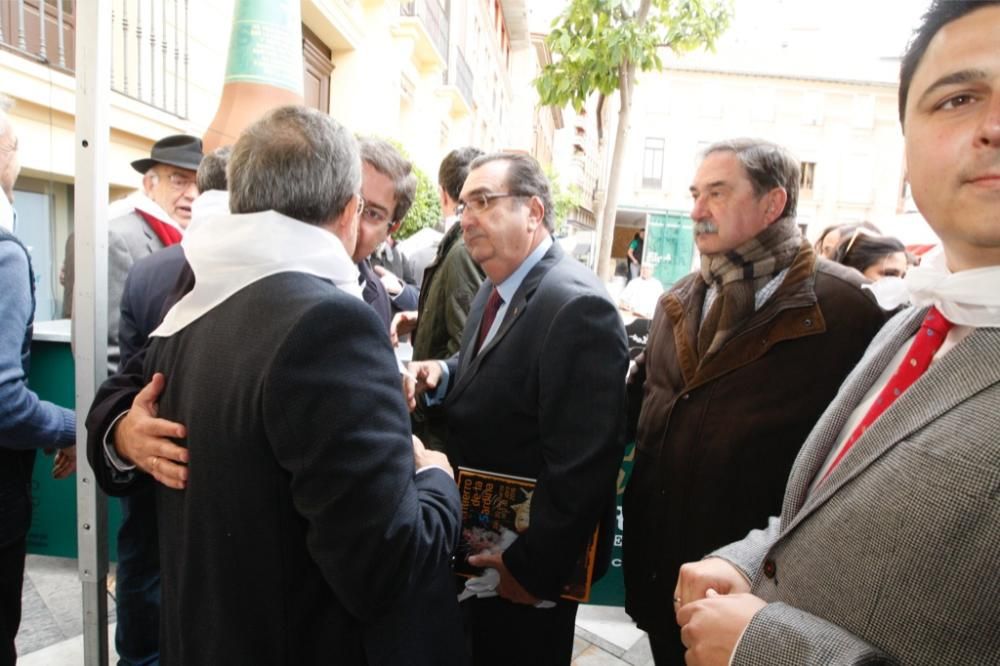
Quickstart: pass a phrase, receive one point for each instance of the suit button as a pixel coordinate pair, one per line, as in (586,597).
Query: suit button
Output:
(769,568)
(652,576)
(686,396)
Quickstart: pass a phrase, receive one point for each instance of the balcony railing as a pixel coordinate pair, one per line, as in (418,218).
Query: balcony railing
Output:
(434,18)
(460,76)
(149,45)
(463,76)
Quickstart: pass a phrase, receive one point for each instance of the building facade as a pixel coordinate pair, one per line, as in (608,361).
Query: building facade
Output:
(430,74)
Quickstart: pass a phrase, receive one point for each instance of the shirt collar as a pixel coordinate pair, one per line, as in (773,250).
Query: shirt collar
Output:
(509,287)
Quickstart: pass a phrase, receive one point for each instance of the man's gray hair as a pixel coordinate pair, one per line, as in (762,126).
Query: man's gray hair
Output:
(212,170)
(384,158)
(297,161)
(525,178)
(768,166)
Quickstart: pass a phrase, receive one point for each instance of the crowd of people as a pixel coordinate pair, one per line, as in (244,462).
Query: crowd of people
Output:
(815,476)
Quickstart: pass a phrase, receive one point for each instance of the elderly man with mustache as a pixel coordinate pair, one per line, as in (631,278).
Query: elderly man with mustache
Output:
(742,358)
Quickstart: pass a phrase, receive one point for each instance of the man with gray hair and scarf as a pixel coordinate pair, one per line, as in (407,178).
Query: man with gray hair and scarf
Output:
(742,358)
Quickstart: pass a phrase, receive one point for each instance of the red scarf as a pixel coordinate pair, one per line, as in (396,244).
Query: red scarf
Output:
(167,233)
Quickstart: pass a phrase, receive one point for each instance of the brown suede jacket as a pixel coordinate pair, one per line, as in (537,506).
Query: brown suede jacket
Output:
(716,439)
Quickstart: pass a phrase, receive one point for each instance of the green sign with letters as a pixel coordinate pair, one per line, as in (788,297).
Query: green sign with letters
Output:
(610,590)
(266,44)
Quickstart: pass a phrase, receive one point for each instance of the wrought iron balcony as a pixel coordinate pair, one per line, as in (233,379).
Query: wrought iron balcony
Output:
(434,18)
(460,76)
(149,44)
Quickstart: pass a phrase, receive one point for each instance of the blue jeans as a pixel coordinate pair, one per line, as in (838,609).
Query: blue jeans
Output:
(137,582)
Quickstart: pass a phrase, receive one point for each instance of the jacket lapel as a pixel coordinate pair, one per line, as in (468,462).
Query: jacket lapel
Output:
(947,383)
(469,365)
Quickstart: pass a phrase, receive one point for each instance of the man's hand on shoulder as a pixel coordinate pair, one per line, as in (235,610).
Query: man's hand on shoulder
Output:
(144,440)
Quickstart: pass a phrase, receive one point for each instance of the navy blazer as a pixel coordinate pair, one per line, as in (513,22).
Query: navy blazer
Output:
(147,287)
(545,399)
(302,530)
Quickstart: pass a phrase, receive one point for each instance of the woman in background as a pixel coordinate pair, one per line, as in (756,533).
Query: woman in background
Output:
(875,256)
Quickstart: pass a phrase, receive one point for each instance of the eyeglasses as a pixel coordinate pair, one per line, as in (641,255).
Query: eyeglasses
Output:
(361,205)
(178,182)
(477,203)
(375,215)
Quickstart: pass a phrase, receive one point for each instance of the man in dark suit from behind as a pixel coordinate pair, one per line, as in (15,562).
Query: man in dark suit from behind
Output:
(539,393)
(302,526)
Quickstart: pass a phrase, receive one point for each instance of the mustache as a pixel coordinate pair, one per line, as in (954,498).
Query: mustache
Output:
(705,228)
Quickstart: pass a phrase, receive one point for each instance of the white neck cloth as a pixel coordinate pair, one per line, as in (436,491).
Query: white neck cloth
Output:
(139,201)
(967,298)
(228,252)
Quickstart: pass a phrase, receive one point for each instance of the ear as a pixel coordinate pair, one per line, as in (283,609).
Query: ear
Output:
(147,181)
(444,197)
(345,225)
(536,212)
(776,200)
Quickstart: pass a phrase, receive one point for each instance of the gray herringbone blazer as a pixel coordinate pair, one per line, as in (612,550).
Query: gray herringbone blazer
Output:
(895,558)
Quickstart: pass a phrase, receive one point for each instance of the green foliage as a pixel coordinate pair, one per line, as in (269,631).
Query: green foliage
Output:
(426,208)
(564,198)
(594,41)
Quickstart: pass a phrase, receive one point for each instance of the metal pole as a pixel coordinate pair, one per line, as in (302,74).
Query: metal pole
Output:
(90,299)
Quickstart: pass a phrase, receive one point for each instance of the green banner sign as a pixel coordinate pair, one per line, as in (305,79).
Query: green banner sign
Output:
(610,590)
(266,44)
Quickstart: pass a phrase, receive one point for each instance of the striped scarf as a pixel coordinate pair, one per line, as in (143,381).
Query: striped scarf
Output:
(738,275)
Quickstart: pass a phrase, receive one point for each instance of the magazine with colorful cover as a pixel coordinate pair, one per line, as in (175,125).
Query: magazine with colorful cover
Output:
(495,510)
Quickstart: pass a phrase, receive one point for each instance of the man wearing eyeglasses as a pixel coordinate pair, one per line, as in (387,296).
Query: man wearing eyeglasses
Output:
(537,390)
(146,221)
(388,187)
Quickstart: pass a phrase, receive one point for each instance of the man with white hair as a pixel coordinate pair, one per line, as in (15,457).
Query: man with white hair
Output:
(26,423)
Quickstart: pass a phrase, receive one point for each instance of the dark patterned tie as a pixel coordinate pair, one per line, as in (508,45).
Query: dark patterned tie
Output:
(489,315)
(929,339)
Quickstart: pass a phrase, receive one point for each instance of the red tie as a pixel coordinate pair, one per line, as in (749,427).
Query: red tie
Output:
(929,339)
(489,315)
